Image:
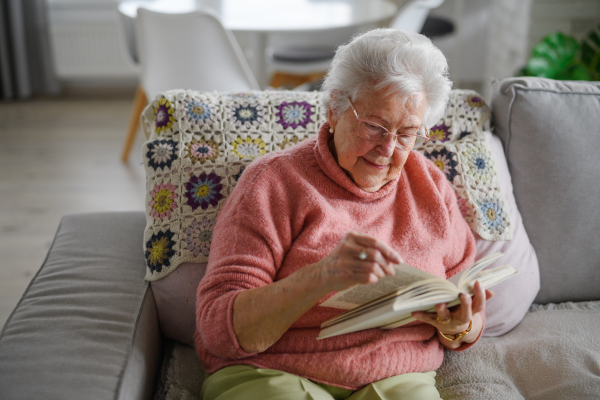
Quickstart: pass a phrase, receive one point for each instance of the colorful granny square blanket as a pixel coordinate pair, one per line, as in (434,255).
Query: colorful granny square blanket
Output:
(199,144)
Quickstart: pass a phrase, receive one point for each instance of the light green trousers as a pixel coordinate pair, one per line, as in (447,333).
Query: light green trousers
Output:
(248,382)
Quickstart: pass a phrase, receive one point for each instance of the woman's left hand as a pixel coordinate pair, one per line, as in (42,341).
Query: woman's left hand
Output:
(453,321)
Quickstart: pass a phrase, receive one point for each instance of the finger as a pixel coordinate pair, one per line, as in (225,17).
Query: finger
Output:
(465,314)
(371,254)
(479,298)
(364,279)
(368,241)
(371,242)
(373,278)
(357,250)
(428,318)
(368,268)
(443,314)
(360,275)
(376,256)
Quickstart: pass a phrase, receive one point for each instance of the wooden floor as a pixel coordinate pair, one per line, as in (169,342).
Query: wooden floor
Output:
(57,157)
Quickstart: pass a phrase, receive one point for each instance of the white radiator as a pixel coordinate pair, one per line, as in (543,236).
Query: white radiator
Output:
(85,41)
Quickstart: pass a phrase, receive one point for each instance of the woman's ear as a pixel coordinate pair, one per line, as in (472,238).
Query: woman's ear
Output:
(332,117)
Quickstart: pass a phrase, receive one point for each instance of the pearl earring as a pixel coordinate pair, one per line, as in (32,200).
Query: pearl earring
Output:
(330,130)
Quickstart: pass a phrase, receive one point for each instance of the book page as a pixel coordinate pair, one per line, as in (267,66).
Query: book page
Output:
(487,278)
(389,312)
(464,279)
(493,276)
(415,292)
(360,294)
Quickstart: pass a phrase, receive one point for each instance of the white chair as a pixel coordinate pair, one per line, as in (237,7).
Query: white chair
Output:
(185,51)
(305,53)
(412,15)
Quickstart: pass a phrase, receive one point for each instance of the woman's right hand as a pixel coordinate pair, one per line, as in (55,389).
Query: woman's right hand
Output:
(263,314)
(344,267)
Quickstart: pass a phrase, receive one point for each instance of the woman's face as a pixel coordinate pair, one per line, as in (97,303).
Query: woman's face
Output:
(373,164)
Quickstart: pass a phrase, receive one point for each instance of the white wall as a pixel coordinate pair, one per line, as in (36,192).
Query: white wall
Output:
(86,43)
(490,40)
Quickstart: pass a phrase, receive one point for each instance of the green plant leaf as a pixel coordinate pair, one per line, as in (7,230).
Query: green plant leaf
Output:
(577,72)
(590,53)
(555,57)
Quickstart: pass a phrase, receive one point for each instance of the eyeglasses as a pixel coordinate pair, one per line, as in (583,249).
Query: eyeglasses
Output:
(371,131)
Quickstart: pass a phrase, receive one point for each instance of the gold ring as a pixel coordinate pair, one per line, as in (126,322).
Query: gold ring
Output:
(444,322)
(363,254)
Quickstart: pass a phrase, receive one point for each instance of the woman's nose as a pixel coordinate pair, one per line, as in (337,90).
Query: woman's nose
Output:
(387,146)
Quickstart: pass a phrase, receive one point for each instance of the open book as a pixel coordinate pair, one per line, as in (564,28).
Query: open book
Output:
(389,303)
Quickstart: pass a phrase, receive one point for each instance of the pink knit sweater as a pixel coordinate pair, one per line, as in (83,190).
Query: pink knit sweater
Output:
(290,209)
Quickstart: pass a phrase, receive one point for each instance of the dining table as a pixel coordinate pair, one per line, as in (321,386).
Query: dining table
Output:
(257,19)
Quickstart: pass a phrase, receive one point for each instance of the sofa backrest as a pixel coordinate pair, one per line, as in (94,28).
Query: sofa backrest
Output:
(550,130)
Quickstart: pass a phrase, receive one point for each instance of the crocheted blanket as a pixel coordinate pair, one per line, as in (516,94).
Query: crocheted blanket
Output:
(199,144)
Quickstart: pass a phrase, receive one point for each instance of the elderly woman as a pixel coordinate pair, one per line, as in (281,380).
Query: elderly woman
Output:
(339,209)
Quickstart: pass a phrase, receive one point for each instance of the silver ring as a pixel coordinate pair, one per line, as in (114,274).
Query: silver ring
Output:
(363,254)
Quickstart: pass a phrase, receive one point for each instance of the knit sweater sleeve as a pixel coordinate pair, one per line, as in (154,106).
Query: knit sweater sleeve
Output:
(249,242)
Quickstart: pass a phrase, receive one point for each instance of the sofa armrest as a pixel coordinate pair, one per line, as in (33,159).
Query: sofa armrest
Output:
(86,327)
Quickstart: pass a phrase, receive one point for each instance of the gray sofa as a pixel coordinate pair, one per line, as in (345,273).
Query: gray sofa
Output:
(88,327)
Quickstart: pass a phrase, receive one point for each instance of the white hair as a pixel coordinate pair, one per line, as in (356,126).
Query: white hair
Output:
(405,61)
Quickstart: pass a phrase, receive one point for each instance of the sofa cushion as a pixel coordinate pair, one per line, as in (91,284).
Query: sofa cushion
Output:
(549,130)
(86,327)
(175,296)
(182,374)
(513,297)
(554,354)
